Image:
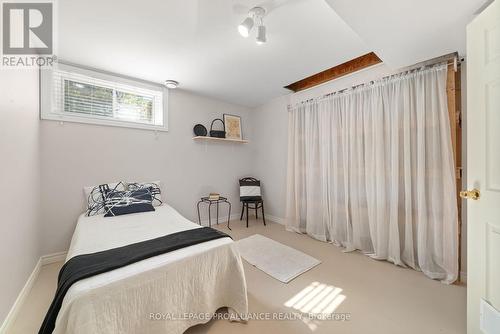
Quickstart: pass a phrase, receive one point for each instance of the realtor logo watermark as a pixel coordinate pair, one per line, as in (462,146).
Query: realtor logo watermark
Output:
(27,34)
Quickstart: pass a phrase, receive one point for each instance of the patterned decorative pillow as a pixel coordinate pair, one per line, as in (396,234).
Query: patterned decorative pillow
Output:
(119,203)
(96,198)
(156,190)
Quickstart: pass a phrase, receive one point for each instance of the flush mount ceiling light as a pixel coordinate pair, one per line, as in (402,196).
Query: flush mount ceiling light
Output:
(171,84)
(255,17)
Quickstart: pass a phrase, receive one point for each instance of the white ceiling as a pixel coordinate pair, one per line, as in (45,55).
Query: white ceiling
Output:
(197,43)
(405,32)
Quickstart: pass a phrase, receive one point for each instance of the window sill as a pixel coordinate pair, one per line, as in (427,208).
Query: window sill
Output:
(103,122)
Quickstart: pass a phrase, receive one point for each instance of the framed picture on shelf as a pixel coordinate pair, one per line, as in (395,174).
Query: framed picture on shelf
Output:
(232,124)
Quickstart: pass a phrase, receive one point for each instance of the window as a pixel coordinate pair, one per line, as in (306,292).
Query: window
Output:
(75,94)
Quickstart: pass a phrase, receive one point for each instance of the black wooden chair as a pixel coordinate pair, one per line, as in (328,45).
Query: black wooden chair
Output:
(251,197)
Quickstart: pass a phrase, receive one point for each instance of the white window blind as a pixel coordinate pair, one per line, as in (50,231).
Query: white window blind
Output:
(82,96)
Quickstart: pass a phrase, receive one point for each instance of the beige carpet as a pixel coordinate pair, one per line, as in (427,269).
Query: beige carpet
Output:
(377,296)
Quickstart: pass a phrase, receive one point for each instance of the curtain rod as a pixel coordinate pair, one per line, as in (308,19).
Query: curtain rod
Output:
(455,62)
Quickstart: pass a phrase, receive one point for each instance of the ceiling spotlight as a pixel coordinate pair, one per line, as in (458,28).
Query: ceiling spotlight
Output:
(245,27)
(255,16)
(261,34)
(171,84)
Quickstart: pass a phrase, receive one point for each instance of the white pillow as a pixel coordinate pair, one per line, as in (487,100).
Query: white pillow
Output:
(157,190)
(120,186)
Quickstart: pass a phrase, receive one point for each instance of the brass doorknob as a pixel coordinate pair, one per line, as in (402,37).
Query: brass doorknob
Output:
(470,194)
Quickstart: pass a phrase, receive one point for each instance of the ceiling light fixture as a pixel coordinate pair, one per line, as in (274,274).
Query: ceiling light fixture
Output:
(171,84)
(255,17)
(245,27)
(261,34)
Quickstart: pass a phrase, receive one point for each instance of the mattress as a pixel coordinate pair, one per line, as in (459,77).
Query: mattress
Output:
(163,294)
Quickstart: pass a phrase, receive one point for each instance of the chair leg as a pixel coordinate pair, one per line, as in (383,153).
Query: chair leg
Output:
(256,207)
(247,214)
(263,216)
(242,211)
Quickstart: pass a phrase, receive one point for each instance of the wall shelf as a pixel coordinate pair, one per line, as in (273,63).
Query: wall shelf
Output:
(206,138)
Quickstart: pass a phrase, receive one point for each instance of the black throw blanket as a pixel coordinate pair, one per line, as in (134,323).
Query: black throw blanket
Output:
(87,265)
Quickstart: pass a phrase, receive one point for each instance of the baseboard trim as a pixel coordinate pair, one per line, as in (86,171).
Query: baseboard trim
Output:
(276,219)
(21,298)
(53,258)
(222,220)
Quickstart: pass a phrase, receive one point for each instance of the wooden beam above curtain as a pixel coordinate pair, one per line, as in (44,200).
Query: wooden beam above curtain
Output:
(335,72)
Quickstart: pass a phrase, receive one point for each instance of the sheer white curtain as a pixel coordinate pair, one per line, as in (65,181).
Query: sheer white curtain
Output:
(372,169)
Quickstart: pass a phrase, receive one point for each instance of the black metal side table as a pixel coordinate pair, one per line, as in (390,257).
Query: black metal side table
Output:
(209,201)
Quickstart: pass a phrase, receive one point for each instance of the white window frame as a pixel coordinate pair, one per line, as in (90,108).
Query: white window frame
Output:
(52,109)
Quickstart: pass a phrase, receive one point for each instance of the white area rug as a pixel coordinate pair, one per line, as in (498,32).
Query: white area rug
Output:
(277,260)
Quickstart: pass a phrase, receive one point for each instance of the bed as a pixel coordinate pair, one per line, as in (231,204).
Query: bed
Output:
(167,293)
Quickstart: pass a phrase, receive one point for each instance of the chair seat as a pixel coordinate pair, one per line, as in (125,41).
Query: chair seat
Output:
(253,204)
(252,200)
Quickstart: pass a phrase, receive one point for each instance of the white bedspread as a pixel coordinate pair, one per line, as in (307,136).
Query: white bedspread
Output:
(181,287)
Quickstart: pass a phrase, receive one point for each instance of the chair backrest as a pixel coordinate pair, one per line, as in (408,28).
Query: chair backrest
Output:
(250,189)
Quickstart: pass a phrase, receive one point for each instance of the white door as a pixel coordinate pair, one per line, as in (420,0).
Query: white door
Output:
(483,163)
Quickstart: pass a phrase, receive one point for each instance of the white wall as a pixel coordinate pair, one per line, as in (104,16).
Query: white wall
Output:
(76,155)
(19,177)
